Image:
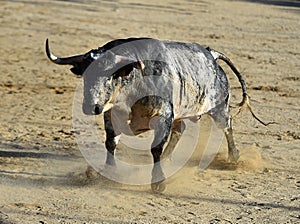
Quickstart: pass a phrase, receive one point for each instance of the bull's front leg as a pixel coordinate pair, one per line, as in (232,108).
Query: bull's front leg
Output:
(112,139)
(110,143)
(161,132)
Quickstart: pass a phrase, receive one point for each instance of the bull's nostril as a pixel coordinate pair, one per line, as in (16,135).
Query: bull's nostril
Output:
(97,109)
(91,109)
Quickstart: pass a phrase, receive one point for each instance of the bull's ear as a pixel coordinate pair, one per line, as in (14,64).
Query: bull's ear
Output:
(138,64)
(125,66)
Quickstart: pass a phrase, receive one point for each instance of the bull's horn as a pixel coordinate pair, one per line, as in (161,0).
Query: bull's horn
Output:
(62,61)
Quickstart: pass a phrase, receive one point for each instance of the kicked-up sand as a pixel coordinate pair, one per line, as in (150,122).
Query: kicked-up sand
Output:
(42,171)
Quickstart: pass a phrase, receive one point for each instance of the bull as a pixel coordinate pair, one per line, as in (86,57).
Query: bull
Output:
(192,82)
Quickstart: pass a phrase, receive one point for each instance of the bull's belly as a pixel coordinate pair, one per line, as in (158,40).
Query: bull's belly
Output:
(141,124)
(190,112)
(192,106)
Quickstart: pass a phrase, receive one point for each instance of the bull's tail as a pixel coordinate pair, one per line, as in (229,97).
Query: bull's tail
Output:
(245,101)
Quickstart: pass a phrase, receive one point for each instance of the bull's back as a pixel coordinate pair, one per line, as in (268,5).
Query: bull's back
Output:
(199,83)
(185,74)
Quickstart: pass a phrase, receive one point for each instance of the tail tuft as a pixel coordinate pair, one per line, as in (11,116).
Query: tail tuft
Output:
(245,101)
(245,104)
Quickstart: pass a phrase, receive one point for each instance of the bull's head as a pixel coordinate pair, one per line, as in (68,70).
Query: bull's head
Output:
(102,71)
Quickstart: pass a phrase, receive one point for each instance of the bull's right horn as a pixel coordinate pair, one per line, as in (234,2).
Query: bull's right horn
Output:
(62,61)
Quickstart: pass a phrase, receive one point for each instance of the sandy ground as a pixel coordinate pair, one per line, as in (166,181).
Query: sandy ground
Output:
(42,172)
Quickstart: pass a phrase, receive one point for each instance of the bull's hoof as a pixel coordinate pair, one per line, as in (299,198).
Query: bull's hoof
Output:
(233,157)
(158,187)
(110,166)
(110,161)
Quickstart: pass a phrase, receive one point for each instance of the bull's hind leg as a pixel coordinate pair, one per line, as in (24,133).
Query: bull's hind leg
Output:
(223,121)
(177,129)
(233,152)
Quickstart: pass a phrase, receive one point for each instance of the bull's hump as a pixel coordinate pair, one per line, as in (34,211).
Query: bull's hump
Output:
(115,43)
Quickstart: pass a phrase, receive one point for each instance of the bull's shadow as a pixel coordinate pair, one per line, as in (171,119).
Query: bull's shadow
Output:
(285,3)
(24,165)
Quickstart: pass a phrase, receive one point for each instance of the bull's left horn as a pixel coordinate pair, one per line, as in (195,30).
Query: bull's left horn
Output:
(62,61)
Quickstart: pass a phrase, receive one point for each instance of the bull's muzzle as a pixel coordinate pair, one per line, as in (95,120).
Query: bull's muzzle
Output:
(92,109)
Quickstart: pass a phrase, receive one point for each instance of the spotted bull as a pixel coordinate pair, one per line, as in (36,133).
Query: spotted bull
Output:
(160,83)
